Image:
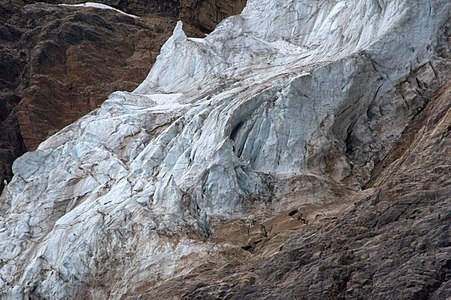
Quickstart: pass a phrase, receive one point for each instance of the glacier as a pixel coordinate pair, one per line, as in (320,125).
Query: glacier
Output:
(246,122)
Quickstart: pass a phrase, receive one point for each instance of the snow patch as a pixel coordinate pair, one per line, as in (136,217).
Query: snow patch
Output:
(100,6)
(288,48)
(166,101)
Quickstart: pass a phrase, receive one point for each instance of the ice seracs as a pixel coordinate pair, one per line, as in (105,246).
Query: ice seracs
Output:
(223,127)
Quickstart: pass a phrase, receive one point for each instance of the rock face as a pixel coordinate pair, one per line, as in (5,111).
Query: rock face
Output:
(58,63)
(207,14)
(204,14)
(301,150)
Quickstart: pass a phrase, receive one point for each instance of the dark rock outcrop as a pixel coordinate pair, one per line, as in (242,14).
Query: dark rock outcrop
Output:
(205,14)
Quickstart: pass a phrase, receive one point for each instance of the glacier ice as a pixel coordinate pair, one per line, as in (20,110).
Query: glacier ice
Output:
(221,128)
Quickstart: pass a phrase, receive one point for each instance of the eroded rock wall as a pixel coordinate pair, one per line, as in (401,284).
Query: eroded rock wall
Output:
(204,14)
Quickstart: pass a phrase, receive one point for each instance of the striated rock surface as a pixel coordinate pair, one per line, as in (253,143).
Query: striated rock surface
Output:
(58,63)
(301,150)
(204,14)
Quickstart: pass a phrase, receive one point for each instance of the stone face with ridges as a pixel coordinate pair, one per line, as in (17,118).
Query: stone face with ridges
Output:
(204,14)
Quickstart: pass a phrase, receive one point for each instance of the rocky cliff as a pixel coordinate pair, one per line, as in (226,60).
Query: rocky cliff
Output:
(204,14)
(299,151)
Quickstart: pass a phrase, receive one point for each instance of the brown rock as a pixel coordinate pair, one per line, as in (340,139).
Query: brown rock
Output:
(207,13)
(204,14)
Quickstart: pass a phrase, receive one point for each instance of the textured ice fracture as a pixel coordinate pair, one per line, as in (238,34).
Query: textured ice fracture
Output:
(223,127)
